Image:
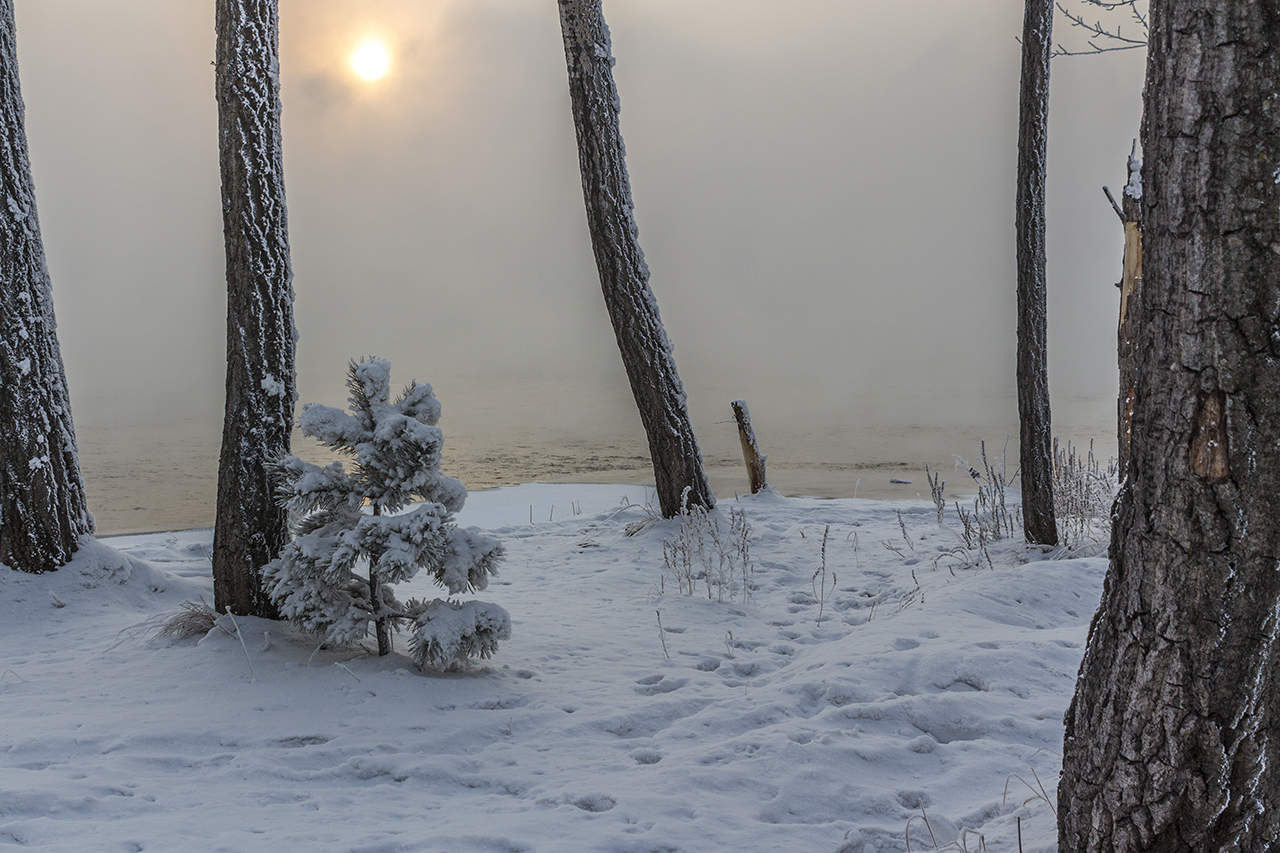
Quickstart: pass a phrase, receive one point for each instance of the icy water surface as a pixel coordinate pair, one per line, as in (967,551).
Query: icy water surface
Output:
(164,477)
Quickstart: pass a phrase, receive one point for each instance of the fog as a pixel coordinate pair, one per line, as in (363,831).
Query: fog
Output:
(824,192)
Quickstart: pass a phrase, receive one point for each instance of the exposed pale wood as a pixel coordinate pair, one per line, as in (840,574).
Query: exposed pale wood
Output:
(1126,330)
(751,454)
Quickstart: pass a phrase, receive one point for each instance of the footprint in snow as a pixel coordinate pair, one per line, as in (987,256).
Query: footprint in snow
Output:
(902,644)
(646,756)
(302,740)
(667,686)
(913,799)
(595,803)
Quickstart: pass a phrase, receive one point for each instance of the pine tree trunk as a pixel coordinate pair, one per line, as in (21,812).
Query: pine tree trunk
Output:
(380,627)
(251,525)
(1172,740)
(624,276)
(42,503)
(1035,430)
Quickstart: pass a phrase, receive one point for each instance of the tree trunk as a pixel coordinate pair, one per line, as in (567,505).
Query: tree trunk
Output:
(751,454)
(251,525)
(1035,430)
(624,276)
(43,512)
(380,627)
(1171,740)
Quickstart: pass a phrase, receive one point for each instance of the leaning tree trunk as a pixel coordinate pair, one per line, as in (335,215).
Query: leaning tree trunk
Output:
(251,525)
(1034,428)
(1172,740)
(624,276)
(42,503)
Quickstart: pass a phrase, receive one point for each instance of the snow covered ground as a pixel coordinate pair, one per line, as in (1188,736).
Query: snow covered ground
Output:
(929,686)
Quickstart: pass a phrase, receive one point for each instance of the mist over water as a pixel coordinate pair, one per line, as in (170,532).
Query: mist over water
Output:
(150,477)
(824,196)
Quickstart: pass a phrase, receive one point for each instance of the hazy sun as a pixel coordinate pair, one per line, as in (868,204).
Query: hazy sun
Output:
(371,60)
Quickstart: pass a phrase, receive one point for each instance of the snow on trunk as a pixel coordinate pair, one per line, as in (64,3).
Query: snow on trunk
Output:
(624,276)
(1035,429)
(43,512)
(251,526)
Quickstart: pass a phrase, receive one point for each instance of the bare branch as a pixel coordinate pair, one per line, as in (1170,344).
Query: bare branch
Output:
(1103,38)
(1114,206)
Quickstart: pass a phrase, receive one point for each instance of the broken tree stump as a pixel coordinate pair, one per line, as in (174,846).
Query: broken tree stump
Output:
(1130,213)
(751,454)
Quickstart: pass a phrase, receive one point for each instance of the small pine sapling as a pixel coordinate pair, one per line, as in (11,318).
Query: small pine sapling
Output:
(396,447)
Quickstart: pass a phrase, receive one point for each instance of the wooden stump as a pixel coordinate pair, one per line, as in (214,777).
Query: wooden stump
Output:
(751,454)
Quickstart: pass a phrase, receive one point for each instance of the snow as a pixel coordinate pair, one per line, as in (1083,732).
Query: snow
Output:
(272,386)
(1133,189)
(929,686)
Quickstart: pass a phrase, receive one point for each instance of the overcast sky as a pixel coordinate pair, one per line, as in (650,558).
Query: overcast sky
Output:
(824,190)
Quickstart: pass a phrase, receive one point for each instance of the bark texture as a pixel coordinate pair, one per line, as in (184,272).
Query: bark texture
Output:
(43,512)
(251,525)
(1173,738)
(1035,430)
(624,276)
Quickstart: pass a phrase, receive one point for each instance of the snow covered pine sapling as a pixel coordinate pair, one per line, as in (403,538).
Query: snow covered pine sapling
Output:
(396,446)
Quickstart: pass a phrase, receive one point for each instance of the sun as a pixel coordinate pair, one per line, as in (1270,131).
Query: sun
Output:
(371,60)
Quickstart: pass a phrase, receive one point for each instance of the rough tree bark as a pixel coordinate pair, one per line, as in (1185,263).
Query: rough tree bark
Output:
(1171,740)
(624,276)
(251,526)
(1035,430)
(42,503)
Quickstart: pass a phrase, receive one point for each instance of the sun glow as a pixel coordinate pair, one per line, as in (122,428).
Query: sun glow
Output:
(371,60)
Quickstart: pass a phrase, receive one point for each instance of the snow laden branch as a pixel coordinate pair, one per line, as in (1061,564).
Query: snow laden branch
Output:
(1107,34)
(335,577)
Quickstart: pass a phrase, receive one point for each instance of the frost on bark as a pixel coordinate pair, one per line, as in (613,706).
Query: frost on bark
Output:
(42,502)
(624,276)
(251,526)
(1173,738)
(1035,431)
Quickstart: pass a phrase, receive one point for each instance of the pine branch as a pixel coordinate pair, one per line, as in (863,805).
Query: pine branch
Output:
(357,395)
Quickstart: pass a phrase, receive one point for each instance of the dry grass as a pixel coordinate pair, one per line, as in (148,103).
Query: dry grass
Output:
(705,549)
(1083,492)
(193,619)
